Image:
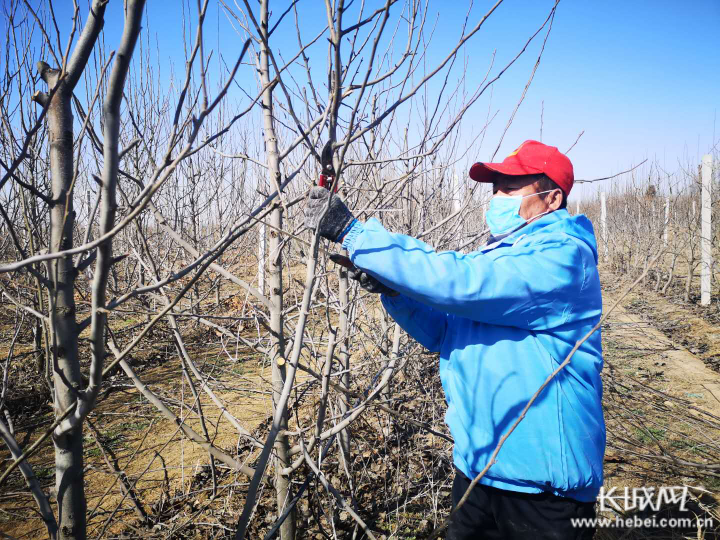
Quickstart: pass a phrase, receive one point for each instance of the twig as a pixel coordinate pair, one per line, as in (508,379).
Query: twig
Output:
(576,141)
(609,177)
(334,492)
(125,485)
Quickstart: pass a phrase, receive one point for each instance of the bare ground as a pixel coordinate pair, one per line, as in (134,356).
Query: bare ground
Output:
(662,406)
(146,446)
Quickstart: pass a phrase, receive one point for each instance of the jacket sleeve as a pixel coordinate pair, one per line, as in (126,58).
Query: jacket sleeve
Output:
(533,285)
(423,323)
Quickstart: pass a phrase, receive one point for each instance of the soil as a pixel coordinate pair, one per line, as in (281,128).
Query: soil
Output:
(139,440)
(678,346)
(662,402)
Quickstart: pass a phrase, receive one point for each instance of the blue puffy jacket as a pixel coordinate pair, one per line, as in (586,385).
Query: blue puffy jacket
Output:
(503,318)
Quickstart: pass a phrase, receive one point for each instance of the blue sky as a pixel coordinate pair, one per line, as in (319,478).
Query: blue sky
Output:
(641,78)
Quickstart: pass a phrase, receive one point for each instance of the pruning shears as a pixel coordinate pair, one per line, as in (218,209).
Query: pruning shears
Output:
(342,260)
(326,180)
(327,176)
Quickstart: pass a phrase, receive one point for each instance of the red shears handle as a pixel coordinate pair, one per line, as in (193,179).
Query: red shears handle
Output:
(327,177)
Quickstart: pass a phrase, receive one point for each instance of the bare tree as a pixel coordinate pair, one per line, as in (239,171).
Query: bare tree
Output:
(157,215)
(61,274)
(72,401)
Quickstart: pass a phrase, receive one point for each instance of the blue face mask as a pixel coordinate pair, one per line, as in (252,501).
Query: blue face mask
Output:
(503,214)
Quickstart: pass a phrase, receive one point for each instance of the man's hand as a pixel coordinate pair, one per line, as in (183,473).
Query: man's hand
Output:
(335,221)
(369,283)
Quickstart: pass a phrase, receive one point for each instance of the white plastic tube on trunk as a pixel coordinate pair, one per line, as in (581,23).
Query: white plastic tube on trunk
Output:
(706,230)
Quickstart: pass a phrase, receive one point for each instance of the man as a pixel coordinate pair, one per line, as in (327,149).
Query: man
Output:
(503,318)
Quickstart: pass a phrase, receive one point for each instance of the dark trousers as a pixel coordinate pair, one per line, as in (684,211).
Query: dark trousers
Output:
(491,513)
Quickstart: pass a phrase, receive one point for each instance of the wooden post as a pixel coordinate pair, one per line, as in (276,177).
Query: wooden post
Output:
(705,231)
(577,207)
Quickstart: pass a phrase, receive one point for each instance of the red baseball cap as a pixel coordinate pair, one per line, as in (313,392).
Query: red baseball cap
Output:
(531,157)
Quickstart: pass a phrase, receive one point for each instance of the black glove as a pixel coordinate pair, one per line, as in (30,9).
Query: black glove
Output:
(337,218)
(369,283)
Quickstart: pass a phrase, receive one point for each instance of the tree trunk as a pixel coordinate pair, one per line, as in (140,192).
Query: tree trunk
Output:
(335,23)
(670,274)
(343,293)
(69,478)
(688,278)
(282,482)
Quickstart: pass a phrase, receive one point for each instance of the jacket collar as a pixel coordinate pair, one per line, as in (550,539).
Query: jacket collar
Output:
(549,219)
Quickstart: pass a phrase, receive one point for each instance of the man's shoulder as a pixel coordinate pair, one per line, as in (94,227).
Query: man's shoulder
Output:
(572,232)
(557,238)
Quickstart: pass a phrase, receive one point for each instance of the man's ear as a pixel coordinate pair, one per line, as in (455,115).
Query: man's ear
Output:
(556,197)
